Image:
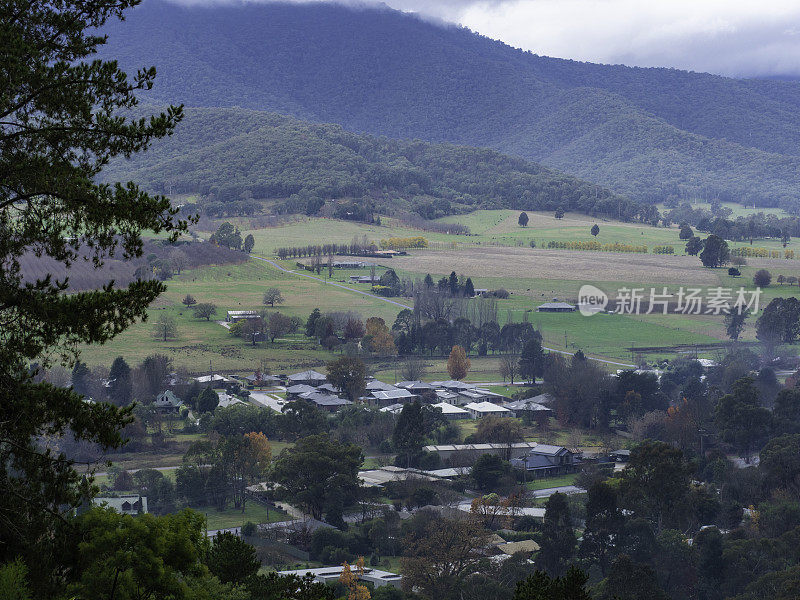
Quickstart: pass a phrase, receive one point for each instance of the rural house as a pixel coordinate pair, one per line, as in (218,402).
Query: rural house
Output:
(168,402)
(545,460)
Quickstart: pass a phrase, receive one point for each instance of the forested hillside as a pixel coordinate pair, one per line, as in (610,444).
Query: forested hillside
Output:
(234,156)
(646,133)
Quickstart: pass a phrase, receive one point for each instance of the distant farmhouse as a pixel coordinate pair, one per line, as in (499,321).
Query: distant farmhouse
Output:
(556,306)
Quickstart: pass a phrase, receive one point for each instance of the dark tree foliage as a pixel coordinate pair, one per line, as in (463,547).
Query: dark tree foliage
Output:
(558,537)
(347,374)
(734,322)
(540,586)
(694,246)
(779,322)
(207,401)
(604,524)
(655,485)
(408,436)
(60,123)
(232,559)
(523,219)
(321,475)
(715,251)
(762,278)
(121,386)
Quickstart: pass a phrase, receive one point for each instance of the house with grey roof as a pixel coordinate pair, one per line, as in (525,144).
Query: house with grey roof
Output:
(312,378)
(545,460)
(415,386)
(453,385)
(375,386)
(293,391)
(556,306)
(328,402)
(383,397)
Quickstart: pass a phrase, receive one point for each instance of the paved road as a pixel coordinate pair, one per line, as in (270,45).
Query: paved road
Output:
(564,489)
(390,301)
(267,400)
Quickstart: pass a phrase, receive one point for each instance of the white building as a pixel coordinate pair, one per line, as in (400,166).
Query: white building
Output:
(452,412)
(478,410)
(332,574)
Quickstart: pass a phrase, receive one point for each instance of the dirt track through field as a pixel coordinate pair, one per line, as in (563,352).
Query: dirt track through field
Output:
(578,265)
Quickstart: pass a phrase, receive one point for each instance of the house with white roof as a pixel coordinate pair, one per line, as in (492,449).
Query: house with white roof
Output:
(478,410)
(451,412)
(332,574)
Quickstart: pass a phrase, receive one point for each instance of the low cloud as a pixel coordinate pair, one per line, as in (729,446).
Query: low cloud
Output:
(728,37)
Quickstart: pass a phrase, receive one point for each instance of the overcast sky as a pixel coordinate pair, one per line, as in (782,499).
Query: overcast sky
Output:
(729,37)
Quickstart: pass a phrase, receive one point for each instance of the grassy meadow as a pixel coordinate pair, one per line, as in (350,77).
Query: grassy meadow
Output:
(531,275)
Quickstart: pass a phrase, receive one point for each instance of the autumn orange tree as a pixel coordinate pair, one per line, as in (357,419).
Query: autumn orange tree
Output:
(350,580)
(458,364)
(378,338)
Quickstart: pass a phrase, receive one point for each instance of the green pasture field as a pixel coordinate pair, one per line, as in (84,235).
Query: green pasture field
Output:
(738,209)
(551,482)
(201,345)
(487,228)
(234,517)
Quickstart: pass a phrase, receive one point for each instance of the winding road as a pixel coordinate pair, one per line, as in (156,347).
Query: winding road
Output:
(401,305)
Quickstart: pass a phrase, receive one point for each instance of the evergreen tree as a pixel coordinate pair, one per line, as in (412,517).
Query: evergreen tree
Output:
(595,230)
(715,251)
(523,219)
(121,388)
(249,242)
(604,524)
(81,379)
(558,537)
(469,288)
(408,436)
(65,115)
(311,322)
(532,360)
(232,559)
(428,281)
(452,283)
(207,401)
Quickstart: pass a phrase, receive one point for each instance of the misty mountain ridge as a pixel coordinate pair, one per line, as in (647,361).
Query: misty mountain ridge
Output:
(649,133)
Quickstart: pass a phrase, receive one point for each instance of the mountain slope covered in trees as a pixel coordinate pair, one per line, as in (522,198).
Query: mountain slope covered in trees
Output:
(647,133)
(229,155)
